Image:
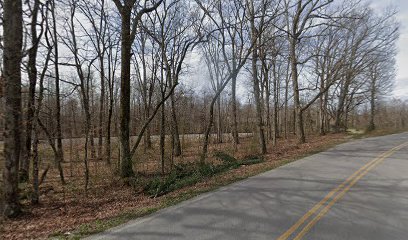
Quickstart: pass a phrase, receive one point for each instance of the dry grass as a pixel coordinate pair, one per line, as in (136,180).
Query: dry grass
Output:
(67,209)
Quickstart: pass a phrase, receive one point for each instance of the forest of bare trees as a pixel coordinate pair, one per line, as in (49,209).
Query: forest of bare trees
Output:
(114,81)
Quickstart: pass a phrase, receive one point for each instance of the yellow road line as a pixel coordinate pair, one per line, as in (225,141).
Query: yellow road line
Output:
(316,207)
(307,228)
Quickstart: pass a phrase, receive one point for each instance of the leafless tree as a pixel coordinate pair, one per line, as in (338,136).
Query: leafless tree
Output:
(128,34)
(32,75)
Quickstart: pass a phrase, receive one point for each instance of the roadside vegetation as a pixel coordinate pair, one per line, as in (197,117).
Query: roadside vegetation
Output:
(67,212)
(113,109)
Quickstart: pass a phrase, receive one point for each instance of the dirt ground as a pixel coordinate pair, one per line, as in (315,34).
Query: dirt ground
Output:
(66,209)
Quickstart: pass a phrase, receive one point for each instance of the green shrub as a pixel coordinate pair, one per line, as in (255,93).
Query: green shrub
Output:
(224,157)
(189,174)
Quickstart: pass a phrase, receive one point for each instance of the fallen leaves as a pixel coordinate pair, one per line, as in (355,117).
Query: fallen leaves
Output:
(65,209)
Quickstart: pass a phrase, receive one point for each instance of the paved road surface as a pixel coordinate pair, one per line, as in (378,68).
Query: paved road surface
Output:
(357,190)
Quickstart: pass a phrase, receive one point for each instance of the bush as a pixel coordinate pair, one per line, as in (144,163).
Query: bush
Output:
(189,174)
(224,157)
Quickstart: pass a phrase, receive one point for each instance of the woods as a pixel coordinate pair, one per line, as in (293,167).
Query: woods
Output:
(110,84)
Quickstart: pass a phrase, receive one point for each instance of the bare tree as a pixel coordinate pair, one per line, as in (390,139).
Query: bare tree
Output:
(299,22)
(36,116)
(82,62)
(32,75)
(230,25)
(146,68)
(373,37)
(59,157)
(128,33)
(217,71)
(256,32)
(97,17)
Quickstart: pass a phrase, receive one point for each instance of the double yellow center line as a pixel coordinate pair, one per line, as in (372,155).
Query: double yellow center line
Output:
(334,195)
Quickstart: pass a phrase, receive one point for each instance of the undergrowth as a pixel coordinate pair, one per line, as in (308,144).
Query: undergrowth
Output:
(187,174)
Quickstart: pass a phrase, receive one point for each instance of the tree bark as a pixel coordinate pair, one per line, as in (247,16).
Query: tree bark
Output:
(101,107)
(175,127)
(32,77)
(126,160)
(298,113)
(257,95)
(286,107)
(127,37)
(162,135)
(275,104)
(235,131)
(36,116)
(219,121)
(35,196)
(340,106)
(322,110)
(111,79)
(59,155)
(13,41)
(258,104)
(371,125)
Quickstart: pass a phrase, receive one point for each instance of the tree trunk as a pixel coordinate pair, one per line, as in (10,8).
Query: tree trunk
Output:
(126,160)
(298,113)
(32,77)
(147,96)
(322,117)
(175,128)
(59,156)
(36,116)
(371,125)
(211,119)
(101,107)
(110,110)
(147,140)
(92,126)
(108,153)
(286,110)
(35,195)
(275,105)
(85,97)
(257,95)
(219,119)
(13,39)
(208,130)
(261,134)
(86,164)
(340,106)
(162,135)
(322,112)
(267,107)
(235,133)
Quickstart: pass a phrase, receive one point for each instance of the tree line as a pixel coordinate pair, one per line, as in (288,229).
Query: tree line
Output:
(104,69)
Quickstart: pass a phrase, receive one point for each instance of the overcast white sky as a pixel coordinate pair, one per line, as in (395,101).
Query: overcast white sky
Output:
(200,78)
(401,85)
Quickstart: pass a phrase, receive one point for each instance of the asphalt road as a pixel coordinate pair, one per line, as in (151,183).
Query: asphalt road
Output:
(357,190)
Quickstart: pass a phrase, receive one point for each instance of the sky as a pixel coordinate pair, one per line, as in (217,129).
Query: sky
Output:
(400,90)
(401,84)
